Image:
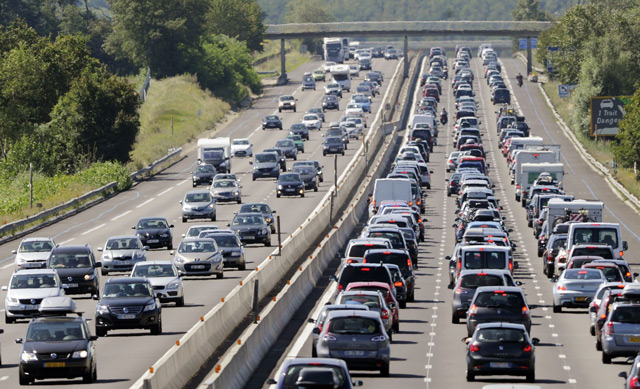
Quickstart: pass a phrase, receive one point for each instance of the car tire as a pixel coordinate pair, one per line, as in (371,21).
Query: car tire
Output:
(242,266)
(239,201)
(592,330)
(314,353)
(343,153)
(180,302)
(170,246)
(184,219)
(539,253)
(194,185)
(470,376)
(215,216)
(606,359)
(87,377)
(324,154)
(279,110)
(220,276)
(295,157)
(315,188)
(302,195)
(384,371)
(531,377)
(598,345)
(8,320)
(23,379)
(253,178)
(294,110)
(403,304)
(104,272)
(157,329)
(557,309)
(101,332)
(277,195)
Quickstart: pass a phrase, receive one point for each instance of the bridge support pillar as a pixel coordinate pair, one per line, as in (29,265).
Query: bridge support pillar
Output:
(406,57)
(529,63)
(283,66)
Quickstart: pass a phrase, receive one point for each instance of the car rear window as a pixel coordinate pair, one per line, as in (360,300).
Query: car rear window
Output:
(353,326)
(626,314)
(293,372)
(500,335)
(571,274)
(395,238)
(484,260)
(358,250)
(499,299)
(472,281)
(388,257)
(365,274)
(598,251)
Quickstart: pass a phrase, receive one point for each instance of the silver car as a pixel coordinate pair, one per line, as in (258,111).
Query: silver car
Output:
(199,257)
(26,290)
(165,279)
(194,231)
(452,161)
(198,204)
(358,338)
(121,253)
(230,246)
(33,253)
(576,288)
(322,319)
(372,299)
(621,330)
(227,190)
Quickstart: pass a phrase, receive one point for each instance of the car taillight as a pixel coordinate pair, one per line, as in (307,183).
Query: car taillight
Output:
(379,338)
(409,262)
(608,329)
(527,348)
(525,311)
(398,283)
(350,261)
(473,310)
(340,287)
(621,253)
(384,314)
(518,186)
(561,287)
(474,348)
(634,383)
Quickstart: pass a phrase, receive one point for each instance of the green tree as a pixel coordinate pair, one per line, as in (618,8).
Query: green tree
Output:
(240,19)
(529,10)
(308,11)
(160,34)
(627,149)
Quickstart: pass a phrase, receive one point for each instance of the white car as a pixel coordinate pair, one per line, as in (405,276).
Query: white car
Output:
(352,129)
(354,70)
(353,108)
(327,66)
(333,89)
(26,290)
(312,121)
(164,277)
(241,147)
(33,253)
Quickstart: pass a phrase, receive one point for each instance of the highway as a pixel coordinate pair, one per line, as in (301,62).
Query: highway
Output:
(123,356)
(428,352)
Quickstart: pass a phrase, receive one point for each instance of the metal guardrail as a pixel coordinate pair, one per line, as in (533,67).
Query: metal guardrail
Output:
(147,170)
(145,86)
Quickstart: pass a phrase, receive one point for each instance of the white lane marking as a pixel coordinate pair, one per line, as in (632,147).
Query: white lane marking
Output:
(121,215)
(182,182)
(8,265)
(146,202)
(93,229)
(306,332)
(165,191)
(67,241)
(4,378)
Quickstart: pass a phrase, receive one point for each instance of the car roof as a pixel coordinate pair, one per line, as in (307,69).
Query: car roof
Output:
(124,280)
(510,289)
(500,272)
(72,248)
(390,251)
(314,361)
(37,238)
(150,263)
(36,271)
(360,313)
(514,326)
(57,319)
(365,283)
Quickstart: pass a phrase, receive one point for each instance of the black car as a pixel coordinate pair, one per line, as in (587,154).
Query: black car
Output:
(315,164)
(57,347)
(497,303)
(203,174)
(266,165)
(154,232)
(501,349)
(251,228)
(308,175)
(290,184)
(262,208)
(374,76)
(402,260)
(330,102)
(77,268)
(126,303)
(299,129)
(501,96)
(281,156)
(271,121)
(333,145)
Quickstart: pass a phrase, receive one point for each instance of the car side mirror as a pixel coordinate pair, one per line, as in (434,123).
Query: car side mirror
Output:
(593,309)
(271,381)
(516,265)
(466,340)
(4,288)
(98,264)
(170,225)
(636,275)
(392,305)
(316,331)
(228,225)
(450,286)
(14,251)
(93,338)
(625,245)
(172,252)
(19,340)
(180,201)
(357,383)
(454,225)
(311,320)
(145,247)
(535,341)
(133,227)
(100,249)
(518,283)
(448,257)
(623,374)
(94,296)
(333,278)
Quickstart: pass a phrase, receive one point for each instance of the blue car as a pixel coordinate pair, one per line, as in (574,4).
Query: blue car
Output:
(363,100)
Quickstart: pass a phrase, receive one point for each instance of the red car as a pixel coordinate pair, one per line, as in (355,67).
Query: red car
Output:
(387,293)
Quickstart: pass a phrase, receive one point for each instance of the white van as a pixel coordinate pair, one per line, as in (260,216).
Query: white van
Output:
(398,189)
(477,257)
(597,233)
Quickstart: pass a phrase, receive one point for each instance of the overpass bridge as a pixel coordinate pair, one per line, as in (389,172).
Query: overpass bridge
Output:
(405,29)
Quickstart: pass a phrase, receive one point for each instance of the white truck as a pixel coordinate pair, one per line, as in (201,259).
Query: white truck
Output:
(576,210)
(216,152)
(519,143)
(597,233)
(528,172)
(341,74)
(390,189)
(333,50)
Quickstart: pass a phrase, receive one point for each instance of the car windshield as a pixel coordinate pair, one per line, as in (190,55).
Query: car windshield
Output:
(472,281)
(31,281)
(260,208)
(289,178)
(284,143)
(303,170)
(198,197)
(36,246)
(195,231)
(127,289)
(293,372)
(266,158)
(272,117)
(196,246)
(205,169)
(310,117)
(224,184)
(298,126)
(500,335)
(164,270)
(123,244)
(353,326)
(240,142)
(56,332)
(247,219)
(333,86)
(333,140)
(226,240)
(153,224)
(498,299)
(69,261)
(286,98)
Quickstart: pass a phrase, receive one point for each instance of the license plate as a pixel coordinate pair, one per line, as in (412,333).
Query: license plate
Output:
(127,317)
(634,339)
(581,299)
(500,365)
(248,237)
(197,267)
(354,353)
(55,364)
(153,240)
(29,307)
(72,285)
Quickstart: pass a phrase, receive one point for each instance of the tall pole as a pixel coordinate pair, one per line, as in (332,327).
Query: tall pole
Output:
(529,66)
(406,57)
(279,235)
(283,67)
(30,185)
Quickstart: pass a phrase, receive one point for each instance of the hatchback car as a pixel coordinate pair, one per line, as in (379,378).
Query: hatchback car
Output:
(165,280)
(504,304)
(154,232)
(230,246)
(358,338)
(319,75)
(241,147)
(399,258)
(265,165)
(575,288)
(621,330)
(317,111)
(288,148)
(77,268)
(33,253)
(226,190)
(203,174)
(333,89)
(57,347)
(121,253)
(322,318)
(294,373)
(282,159)
(199,257)
(26,290)
(271,121)
(287,102)
(330,102)
(297,140)
(251,228)
(501,349)
(127,303)
(299,129)
(198,204)
(290,184)
(312,121)
(308,175)
(468,282)
(315,164)
(333,145)
(308,82)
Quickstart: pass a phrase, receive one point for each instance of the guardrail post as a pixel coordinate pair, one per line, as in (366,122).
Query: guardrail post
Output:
(254,306)
(406,56)
(30,185)
(279,235)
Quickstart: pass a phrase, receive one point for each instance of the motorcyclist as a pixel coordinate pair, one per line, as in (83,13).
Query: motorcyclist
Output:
(443,117)
(519,78)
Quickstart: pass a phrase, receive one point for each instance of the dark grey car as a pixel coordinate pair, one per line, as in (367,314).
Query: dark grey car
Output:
(308,175)
(251,228)
(333,145)
(288,148)
(299,129)
(281,157)
(468,282)
(265,165)
(316,165)
(290,184)
(504,304)
(262,208)
(203,174)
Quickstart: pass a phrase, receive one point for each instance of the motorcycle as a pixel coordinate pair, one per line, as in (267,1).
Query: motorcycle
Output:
(519,81)
(443,119)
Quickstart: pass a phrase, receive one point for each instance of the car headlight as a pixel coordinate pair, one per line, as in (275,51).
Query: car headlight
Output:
(265,231)
(139,254)
(80,354)
(236,193)
(173,285)
(179,259)
(268,220)
(195,177)
(20,260)
(210,206)
(88,277)
(279,187)
(106,256)
(12,300)
(150,307)
(102,309)
(217,258)
(27,356)
(235,254)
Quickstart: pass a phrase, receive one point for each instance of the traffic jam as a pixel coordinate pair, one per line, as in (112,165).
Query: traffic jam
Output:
(581,254)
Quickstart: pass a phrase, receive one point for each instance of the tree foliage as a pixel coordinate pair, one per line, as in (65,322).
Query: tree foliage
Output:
(530,10)
(627,150)
(239,19)
(308,11)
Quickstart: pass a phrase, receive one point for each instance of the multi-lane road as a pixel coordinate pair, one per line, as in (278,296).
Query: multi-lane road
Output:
(428,351)
(123,356)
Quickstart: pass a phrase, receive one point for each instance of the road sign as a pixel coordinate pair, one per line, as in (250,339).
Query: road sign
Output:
(563,91)
(522,43)
(606,113)
(553,48)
